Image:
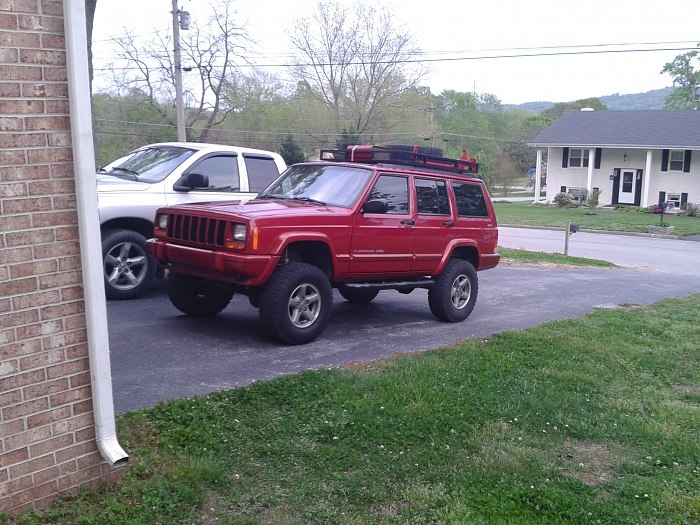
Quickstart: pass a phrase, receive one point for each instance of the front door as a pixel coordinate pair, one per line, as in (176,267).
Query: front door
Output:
(627,187)
(383,243)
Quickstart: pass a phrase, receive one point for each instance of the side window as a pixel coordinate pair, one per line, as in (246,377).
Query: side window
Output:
(394,190)
(470,200)
(261,170)
(432,197)
(222,171)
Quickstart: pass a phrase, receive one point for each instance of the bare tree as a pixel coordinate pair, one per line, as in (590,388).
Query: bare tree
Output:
(356,63)
(209,53)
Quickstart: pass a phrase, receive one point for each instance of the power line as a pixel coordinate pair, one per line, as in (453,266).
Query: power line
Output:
(424,57)
(302,134)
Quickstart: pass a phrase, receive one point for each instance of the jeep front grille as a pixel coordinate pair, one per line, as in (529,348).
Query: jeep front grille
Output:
(191,229)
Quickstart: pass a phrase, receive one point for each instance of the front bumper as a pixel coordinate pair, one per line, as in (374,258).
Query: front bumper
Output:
(236,268)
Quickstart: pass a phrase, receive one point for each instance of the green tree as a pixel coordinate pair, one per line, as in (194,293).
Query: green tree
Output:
(126,122)
(558,109)
(505,173)
(686,81)
(347,137)
(523,126)
(291,151)
(473,123)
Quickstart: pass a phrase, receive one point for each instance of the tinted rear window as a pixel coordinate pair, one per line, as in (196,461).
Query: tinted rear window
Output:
(261,171)
(470,200)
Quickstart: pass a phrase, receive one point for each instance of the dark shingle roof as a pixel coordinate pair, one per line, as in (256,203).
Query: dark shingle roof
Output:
(647,129)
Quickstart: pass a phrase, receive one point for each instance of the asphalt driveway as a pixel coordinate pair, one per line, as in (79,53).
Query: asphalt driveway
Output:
(159,354)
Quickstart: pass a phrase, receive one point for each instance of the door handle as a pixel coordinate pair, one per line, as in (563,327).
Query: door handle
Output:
(410,222)
(448,223)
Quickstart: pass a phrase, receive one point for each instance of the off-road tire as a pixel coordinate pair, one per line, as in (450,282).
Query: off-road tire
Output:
(128,269)
(196,296)
(423,150)
(353,295)
(453,296)
(295,304)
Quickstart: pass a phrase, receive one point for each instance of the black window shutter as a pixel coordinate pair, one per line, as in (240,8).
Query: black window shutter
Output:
(565,158)
(598,155)
(684,201)
(686,160)
(662,198)
(664,160)
(562,189)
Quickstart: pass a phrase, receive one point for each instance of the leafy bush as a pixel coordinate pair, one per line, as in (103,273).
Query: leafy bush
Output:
(692,210)
(563,200)
(593,199)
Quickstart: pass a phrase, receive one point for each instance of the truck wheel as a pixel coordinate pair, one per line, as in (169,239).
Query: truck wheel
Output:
(356,296)
(128,269)
(453,295)
(197,297)
(295,303)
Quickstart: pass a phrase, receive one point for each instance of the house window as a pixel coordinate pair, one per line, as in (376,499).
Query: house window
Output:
(578,158)
(673,201)
(675,160)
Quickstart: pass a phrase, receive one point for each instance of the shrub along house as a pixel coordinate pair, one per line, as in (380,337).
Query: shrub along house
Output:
(636,158)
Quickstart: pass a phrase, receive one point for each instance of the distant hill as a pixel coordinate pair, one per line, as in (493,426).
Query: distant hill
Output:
(650,100)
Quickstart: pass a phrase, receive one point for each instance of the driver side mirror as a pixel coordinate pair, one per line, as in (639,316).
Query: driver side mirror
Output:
(375,206)
(191,181)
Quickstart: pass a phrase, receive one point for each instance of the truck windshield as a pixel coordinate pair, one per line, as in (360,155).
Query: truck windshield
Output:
(328,184)
(151,164)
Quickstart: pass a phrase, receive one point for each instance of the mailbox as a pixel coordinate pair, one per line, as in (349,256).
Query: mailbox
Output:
(573,227)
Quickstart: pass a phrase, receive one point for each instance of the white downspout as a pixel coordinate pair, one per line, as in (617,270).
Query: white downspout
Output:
(89,228)
(538,175)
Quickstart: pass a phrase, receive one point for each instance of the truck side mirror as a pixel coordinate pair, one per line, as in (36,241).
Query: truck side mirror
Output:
(375,206)
(191,181)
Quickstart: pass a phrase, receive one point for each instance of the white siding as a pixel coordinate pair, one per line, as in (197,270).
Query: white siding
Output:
(667,181)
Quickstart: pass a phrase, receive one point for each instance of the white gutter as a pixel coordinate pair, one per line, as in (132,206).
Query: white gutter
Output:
(89,228)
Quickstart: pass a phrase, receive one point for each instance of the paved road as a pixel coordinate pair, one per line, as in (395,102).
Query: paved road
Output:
(159,354)
(667,255)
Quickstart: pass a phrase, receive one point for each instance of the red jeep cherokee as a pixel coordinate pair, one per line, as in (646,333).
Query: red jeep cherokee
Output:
(360,220)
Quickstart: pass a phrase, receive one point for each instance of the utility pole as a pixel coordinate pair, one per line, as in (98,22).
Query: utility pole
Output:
(179,105)
(431,110)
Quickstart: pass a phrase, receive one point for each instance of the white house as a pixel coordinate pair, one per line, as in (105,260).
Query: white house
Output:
(637,158)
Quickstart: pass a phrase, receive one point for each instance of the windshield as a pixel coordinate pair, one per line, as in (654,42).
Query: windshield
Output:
(332,185)
(150,164)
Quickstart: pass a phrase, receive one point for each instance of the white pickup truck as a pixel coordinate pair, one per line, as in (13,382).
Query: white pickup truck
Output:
(131,189)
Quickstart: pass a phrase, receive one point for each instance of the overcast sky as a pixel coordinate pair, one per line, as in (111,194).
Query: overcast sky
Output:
(605,46)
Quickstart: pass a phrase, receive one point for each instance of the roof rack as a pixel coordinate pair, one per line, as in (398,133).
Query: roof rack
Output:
(383,155)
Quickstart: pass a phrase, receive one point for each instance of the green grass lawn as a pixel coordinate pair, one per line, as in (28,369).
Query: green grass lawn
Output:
(524,213)
(512,256)
(588,420)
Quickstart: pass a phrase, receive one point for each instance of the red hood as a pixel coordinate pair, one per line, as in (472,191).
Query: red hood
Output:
(262,209)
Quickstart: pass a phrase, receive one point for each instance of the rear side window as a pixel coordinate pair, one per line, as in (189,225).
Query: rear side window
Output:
(222,171)
(470,200)
(261,171)
(432,197)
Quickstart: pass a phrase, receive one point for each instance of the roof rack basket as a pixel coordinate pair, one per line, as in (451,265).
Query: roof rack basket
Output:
(380,155)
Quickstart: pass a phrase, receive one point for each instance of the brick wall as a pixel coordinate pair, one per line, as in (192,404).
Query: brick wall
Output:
(47,436)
